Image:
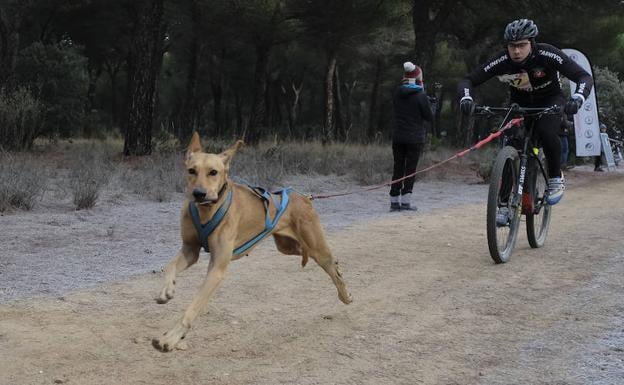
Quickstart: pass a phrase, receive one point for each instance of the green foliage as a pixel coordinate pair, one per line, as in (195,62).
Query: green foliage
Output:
(222,56)
(333,25)
(610,92)
(56,76)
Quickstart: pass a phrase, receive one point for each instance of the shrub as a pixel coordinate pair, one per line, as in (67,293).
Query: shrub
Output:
(155,177)
(21,119)
(57,75)
(610,93)
(22,181)
(90,172)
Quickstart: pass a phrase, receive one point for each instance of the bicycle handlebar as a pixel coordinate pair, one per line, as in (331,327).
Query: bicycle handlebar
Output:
(516,109)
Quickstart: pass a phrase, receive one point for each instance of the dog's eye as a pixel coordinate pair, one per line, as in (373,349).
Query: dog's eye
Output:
(192,171)
(213,172)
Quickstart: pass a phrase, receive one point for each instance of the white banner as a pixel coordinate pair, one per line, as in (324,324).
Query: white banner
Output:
(586,124)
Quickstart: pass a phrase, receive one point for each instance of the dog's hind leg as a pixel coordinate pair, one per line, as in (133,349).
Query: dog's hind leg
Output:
(185,258)
(330,265)
(315,246)
(220,258)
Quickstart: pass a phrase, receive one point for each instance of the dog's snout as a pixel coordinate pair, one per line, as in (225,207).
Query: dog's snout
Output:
(199,193)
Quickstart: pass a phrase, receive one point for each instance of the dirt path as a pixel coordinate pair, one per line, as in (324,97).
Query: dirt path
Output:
(430,308)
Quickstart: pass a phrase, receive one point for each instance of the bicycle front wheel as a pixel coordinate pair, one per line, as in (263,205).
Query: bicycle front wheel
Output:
(534,203)
(503,219)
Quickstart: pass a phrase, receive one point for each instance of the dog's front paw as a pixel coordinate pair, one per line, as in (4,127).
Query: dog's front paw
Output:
(173,339)
(166,294)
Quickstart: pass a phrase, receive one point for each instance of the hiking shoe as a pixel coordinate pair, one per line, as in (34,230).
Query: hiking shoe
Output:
(408,206)
(554,192)
(599,169)
(502,216)
(395,206)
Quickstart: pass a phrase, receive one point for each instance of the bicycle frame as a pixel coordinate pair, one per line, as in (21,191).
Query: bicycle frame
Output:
(523,152)
(518,177)
(528,150)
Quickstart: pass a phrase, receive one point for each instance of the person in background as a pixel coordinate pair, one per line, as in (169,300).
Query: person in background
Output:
(565,145)
(598,158)
(411,109)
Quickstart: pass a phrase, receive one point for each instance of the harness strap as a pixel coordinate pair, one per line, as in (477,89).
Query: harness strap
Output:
(204,230)
(269,224)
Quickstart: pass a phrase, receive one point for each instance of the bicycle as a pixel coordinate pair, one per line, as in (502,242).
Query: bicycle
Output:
(518,182)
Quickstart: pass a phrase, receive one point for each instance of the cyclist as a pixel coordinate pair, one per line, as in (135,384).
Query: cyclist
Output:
(532,71)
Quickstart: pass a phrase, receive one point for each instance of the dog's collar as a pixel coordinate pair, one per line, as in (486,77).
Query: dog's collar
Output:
(204,230)
(225,186)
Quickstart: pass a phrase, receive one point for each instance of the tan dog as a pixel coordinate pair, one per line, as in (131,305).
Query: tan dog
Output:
(298,232)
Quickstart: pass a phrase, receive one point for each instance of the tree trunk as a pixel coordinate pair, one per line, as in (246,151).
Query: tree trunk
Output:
(239,113)
(114,115)
(328,125)
(217,96)
(292,105)
(145,63)
(9,46)
(188,112)
(373,111)
(348,110)
(428,17)
(112,66)
(341,130)
(268,105)
(258,106)
(438,112)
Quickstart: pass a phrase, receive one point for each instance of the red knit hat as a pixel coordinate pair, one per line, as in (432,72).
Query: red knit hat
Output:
(412,71)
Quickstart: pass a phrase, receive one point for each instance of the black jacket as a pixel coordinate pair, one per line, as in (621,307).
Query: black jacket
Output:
(534,80)
(411,110)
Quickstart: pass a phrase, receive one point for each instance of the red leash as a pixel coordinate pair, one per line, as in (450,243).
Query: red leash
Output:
(478,145)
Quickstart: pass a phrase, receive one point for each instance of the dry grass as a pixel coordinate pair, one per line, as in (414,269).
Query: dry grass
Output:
(91,170)
(23,181)
(156,177)
(92,165)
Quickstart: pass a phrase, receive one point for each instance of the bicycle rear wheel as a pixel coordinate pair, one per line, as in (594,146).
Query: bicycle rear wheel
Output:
(534,204)
(503,220)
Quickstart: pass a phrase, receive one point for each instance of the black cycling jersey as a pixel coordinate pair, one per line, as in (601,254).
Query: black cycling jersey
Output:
(534,80)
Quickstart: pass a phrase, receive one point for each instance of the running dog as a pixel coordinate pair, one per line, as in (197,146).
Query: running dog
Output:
(243,215)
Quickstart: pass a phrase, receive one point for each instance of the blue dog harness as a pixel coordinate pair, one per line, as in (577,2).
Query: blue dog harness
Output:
(204,230)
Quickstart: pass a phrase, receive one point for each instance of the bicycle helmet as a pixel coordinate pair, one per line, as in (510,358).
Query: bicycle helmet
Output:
(520,29)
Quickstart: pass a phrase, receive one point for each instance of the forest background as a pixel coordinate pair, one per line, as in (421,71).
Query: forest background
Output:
(147,70)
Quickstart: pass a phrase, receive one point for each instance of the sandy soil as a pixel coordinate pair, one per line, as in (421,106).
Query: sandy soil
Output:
(430,307)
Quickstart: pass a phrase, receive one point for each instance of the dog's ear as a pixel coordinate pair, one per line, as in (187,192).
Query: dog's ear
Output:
(194,145)
(228,154)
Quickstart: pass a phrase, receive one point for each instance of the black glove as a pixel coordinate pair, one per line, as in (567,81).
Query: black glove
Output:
(466,106)
(572,106)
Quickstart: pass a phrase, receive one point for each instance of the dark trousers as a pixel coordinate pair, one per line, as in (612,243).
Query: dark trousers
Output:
(547,130)
(405,162)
